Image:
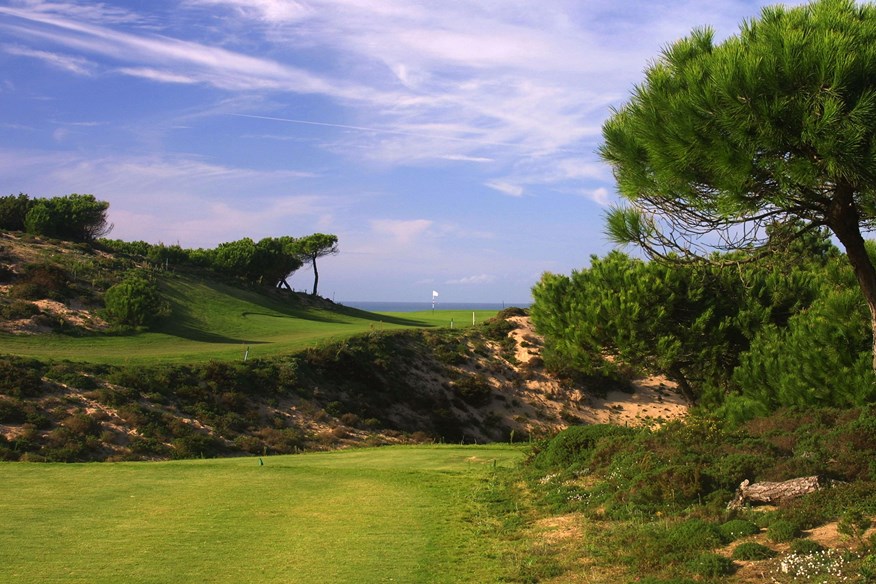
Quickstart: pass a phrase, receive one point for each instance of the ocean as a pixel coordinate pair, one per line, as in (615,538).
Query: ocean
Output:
(420,306)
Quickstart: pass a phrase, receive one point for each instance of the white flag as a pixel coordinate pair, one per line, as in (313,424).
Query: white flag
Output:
(434,294)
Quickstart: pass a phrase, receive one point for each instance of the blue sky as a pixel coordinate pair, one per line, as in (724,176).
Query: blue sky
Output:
(449,144)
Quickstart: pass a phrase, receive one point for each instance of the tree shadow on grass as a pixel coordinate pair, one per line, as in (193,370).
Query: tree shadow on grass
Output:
(184,322)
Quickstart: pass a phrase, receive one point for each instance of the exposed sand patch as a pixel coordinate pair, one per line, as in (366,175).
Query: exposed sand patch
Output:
(556,405)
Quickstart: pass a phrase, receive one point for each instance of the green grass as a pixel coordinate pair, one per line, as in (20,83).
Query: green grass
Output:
(396,514)
(211,320)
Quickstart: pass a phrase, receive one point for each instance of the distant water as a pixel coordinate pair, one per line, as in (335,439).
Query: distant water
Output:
(420,306)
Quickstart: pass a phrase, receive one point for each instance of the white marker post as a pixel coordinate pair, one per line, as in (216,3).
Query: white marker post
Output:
(434,296)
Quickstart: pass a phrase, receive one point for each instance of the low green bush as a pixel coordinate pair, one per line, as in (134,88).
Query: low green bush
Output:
(853,524)
(135,301)
(18,310)
(661,545)
(12,411)
(736,528)
(655,580)
(805,547)
(473,389)
(750,550)
(782,530)
(711,565)
(42,280)
(868,569)
(71,377)
(196,445)
(82,425)
(20,377)
(575,445)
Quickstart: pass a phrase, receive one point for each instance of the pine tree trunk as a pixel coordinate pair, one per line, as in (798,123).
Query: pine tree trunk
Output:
(315,275)
(844,220)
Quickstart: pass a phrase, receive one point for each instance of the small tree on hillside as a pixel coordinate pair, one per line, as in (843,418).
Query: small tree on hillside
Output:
(72,217)
(13,210)
(277,258)
(135,301)
(774,126)
(316,246)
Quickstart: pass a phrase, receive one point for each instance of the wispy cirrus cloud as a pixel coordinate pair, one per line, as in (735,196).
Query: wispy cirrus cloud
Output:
(170,59)
(473,280)
(401,231)
(506,188)
(157,75)
(69,63)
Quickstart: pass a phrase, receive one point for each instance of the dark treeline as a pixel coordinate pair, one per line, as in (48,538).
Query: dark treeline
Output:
(83,218)
(741,337)
(268,261)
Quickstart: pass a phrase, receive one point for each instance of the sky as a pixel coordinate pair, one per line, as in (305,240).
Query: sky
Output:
(450,145)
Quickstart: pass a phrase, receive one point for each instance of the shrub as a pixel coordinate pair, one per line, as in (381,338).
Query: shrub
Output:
(11,411)
(18,309)
(661,545)
(694,534)
(334,408)
(736,528)
(21,377)
(853,524)
(42,280)
(135,301)
(82,425)
(674,580)
(805,547)
(711,565)
(473,389)
(575,445)
(282,441)
(68,375)
(148,446)
(196,445)
(782,530)
(749,551)
(868,568)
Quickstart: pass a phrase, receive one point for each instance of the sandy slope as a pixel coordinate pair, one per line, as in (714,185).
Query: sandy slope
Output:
(541,404)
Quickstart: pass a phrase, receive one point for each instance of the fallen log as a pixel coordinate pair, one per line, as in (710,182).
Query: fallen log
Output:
(775,493)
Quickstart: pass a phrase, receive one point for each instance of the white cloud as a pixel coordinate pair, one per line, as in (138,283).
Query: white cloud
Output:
(506,188)
(71,64)
(600,196)
(156,75)
(464,158)
(177,58)
(401,231)
(271,11)
(474,280)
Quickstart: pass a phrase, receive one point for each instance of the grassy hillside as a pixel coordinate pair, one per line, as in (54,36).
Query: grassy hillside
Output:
(374,515)
(51,297)
(213,320)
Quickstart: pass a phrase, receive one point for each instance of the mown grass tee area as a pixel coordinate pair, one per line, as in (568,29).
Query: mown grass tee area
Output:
(395,514)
